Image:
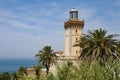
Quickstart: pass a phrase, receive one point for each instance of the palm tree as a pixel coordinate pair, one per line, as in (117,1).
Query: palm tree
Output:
(118,47)
(15,76)
(46,57)
(37,71)
(97,45)
(22,71)
(118,51)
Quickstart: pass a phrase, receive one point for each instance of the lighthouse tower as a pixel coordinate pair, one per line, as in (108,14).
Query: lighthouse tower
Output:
(73,31)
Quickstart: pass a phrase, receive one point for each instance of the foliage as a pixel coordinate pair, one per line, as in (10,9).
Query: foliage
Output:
(14,76)
(50,76)
(5,76)
(97,45)
(37,71)
(111,71)
(67,72)
(22,70)
(46,57)
(118,49)
(22,73)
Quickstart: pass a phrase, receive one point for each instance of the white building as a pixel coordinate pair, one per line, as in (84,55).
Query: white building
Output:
(73,31)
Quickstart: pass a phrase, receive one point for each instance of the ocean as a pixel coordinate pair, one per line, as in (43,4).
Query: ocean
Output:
(11,65)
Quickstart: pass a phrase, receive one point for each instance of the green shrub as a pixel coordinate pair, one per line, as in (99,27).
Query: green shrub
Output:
(94,71)
(5,76)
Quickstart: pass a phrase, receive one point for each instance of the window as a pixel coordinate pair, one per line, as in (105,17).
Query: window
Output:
(76,30)
(76,38)
(77,15)
(76,51)
(71,15)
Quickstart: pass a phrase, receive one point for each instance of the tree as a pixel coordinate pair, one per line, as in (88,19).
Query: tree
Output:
(37,71)
(97,45)
(118,47)
(5,76)
(46,57)
(14,76)
(118,51)
(22,71)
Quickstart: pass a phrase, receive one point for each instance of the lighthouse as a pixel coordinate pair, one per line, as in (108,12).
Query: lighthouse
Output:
(73,31)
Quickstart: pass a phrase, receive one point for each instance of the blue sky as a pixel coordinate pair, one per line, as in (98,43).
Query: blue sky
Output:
(28,25)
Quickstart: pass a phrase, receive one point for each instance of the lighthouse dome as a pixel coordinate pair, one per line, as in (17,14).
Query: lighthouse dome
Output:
(73,9)
(73,14)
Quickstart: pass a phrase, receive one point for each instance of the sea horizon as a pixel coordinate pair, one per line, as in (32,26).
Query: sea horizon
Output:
(12,65)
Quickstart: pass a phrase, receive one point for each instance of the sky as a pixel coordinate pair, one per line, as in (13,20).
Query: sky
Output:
(26,26)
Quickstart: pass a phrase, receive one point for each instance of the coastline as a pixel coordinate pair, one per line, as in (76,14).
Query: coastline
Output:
(11,65)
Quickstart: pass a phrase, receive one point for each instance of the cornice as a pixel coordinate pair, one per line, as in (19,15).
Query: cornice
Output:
(74,23)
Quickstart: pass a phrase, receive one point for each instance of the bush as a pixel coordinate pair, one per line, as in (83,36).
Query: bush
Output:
(5,76)
(94,71)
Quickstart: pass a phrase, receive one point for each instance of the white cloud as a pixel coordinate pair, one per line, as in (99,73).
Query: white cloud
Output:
(18,44)
(12,20)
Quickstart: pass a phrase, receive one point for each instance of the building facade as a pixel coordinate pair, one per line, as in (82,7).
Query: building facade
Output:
(73,32)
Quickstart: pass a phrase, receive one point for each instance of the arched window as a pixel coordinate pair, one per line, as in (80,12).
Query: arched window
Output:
(76,30)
